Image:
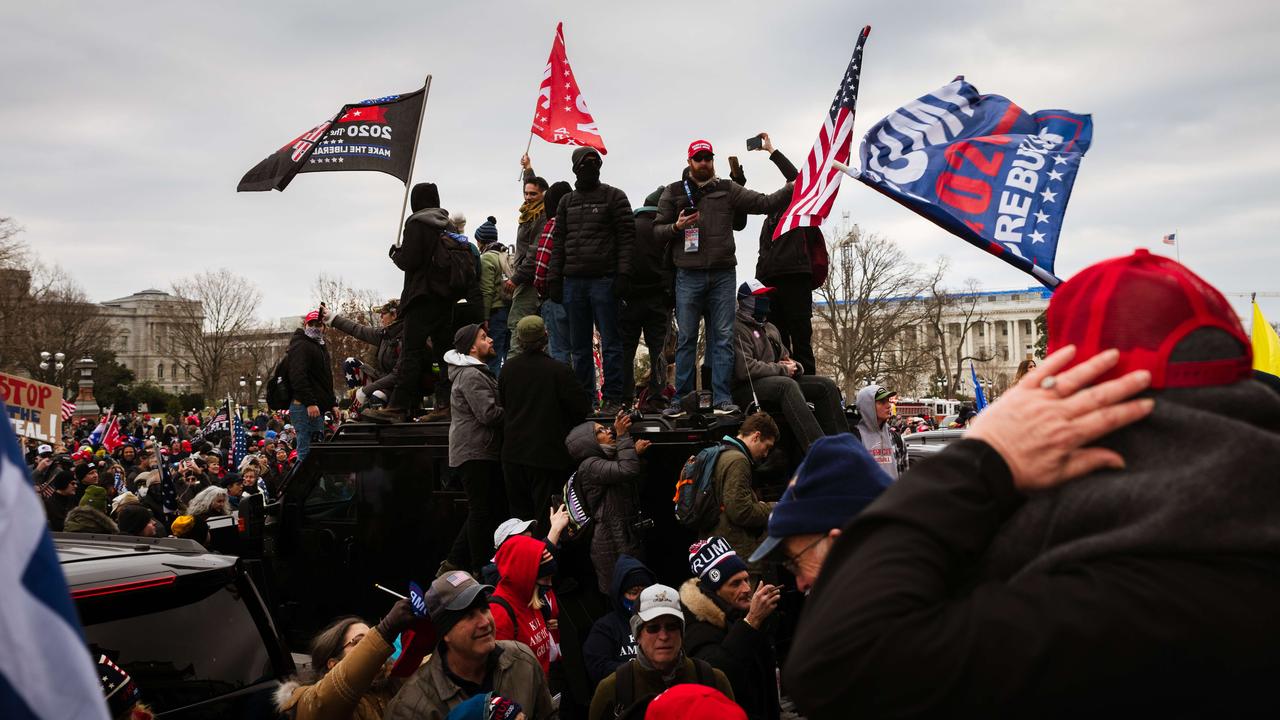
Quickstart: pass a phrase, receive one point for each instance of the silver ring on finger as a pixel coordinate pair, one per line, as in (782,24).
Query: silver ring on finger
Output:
(1050,382)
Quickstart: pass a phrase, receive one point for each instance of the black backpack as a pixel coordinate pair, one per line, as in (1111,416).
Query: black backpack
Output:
(279,391)
(453,268)
(696,503)
(624,696)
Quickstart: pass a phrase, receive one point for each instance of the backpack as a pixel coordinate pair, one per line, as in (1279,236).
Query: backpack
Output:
(696,502)
(453,268)
(279,391)
(819,261)
(624,696)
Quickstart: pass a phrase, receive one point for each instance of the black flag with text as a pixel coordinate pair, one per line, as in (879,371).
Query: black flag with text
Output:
(376,134)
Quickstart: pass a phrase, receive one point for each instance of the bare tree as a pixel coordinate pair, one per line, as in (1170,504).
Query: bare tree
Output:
(950,317)
(866,311)
(13,251)
(218,310)
(356,304)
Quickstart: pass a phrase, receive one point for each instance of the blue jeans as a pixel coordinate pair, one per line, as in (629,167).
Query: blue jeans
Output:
(590,302)
(557,322)
(305,426)
(501,338)
(705,294)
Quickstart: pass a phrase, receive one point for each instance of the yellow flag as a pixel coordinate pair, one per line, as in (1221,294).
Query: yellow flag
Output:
(1266,344)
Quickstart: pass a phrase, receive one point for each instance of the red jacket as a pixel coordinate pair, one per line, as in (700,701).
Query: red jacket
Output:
(517,561)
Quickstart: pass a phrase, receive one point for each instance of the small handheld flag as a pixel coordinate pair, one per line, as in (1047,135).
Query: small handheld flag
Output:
(1266,344)
(560,115)
(1170,239)
(417,599)
(979,398)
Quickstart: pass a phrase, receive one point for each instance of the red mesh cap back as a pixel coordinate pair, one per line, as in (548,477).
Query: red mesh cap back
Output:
(1143,305)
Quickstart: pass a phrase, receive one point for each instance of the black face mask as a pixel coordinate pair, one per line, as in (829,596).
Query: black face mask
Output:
(588,174)
(761,309)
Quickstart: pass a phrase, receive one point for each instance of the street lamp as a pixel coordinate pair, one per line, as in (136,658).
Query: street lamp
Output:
(57,364)
(242,384)
(257,390)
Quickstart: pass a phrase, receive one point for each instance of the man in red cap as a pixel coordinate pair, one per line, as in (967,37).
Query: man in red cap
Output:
(310,380)
(695,219)
(1078,550)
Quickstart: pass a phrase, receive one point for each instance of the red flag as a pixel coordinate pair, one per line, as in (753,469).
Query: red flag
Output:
(112,439)
(561,115)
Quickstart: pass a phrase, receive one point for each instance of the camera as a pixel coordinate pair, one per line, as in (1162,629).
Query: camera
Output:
(635,415)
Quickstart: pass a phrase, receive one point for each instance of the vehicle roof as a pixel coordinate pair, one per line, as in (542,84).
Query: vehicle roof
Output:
(91,558)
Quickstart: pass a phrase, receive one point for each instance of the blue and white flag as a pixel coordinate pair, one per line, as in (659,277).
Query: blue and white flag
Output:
(982,168)
(45,667)
(979,399)
(239,441)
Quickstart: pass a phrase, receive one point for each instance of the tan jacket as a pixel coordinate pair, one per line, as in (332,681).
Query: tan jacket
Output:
(343,691)
(430,694)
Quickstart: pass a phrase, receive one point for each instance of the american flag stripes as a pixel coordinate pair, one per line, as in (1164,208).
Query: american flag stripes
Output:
(68,410)
(816,187)
(239,442)
(1170,239)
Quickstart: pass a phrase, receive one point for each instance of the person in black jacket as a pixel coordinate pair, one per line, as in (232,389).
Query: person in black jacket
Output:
(646,308)
(724,625)
(610,642)
(383,376)
(424,314)
(590,269)
(1078,552)
(784,265)
(542,401)
(311,380)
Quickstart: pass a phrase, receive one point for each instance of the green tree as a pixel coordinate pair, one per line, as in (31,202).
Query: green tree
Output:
(153,395)
(1042,335)
(111,381)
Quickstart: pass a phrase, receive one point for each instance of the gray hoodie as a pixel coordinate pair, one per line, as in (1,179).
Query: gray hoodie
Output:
(475,425)
(876,438)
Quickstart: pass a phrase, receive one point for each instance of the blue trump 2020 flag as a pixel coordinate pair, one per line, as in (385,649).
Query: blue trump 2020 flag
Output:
(979,398)
(983,168)
(45,667)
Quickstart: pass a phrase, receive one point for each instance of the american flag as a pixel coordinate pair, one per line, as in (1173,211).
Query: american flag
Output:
(68,410)
(816,187)
(1170,239)
(168,491)
(239,442)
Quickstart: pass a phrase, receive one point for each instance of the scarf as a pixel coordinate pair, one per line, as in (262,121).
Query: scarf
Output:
(531,210)
(316,334)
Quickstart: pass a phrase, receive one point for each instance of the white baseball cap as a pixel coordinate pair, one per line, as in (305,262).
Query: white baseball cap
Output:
(658,600)
(513,526)
(43,449)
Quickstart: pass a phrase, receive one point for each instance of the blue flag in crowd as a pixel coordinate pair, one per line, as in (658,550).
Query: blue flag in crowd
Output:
(979,399)
(45,669)
(982,168)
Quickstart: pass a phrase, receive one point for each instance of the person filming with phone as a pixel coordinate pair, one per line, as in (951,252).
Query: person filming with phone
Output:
(695,217)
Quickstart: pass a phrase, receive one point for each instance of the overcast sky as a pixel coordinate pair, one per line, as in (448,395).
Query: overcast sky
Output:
(128,124)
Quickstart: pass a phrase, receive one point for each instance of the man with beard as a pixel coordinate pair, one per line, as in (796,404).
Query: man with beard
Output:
(468,660)
(591,268)
(724,625)
(533,217)
(695,217)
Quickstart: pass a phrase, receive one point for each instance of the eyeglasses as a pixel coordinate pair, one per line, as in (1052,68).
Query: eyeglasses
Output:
(790,564)
(702,158)
(657,627)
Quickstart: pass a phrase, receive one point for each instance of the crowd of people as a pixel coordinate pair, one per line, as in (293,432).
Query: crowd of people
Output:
(1101,539)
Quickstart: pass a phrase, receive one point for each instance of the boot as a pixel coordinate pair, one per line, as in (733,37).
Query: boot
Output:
(437,415)
(384,415)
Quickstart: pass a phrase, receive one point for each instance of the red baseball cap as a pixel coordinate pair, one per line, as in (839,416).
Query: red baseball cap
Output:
(686,702)
(312,316)
(698,146)
(1144,305)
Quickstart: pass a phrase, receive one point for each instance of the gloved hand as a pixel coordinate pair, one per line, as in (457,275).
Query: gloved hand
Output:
(397,619)
(555,291)
(622,286)
(738,175)
(360,396)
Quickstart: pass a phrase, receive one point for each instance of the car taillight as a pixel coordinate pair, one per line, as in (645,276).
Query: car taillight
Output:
(130,586)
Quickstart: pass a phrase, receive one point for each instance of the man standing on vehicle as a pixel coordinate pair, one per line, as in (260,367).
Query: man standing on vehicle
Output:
(590,269)
(311,379)
(875,405)
(468,660)
(533,216)
(695,216)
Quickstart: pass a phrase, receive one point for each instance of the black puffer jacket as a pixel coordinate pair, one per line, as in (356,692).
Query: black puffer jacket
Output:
(310,371)
(651,273)
(594,235)
(789,254)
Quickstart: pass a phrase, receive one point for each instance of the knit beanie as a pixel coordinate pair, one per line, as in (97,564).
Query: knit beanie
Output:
(487,233)
(465,338)
(62,480)
(82,471)
(530,331)
(581,155)
(95,497)
(714,561)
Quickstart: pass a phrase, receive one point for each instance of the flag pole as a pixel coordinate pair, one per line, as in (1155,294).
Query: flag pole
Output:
(1177,245)
(413,158)
(526,152)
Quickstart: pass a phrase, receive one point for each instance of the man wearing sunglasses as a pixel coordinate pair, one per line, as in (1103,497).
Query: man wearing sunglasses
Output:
(660,663)
(837,479)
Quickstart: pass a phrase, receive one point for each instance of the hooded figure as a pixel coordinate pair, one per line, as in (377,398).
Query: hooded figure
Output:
(876,436)
(609,475)
(90,516)
(516,598)
(474,429)
(610,642)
